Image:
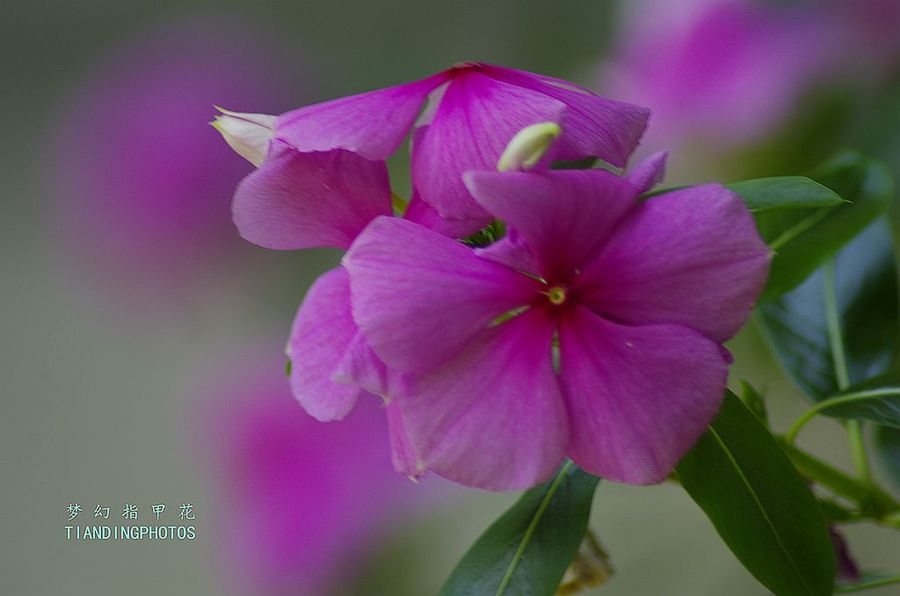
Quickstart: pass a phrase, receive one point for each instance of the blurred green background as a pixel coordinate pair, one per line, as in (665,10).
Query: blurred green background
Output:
(98,382)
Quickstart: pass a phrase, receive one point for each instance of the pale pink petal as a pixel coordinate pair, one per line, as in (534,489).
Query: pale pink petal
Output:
(372,124)
(649,172)
(360,366)
(322,330)
(564,217)
(638,397)
(420,297)
(424,214)
(402,454)
(476,118)
(492,417)
(593,125)
(691,257)
(304,200)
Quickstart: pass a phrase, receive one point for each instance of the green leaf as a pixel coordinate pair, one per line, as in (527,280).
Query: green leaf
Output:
(876,400)
(803,239)
(527,550)
(784,192)
(887,444)
(755,402)
(761,507)
(865,288)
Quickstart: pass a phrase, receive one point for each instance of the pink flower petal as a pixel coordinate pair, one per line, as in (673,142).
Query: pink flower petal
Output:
(649,172)
(360,366)
(638,397)
(593,125)
(512,251)
(475,119)
(372,124)
(691,257)
(304,200)
(492,417)
(420,297)
(403,456)
(322,330)
(563,216)
(424,214)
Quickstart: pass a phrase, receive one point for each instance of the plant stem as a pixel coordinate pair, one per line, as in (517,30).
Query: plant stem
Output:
(867,585)
(873,501)
(836,338)
(836,400)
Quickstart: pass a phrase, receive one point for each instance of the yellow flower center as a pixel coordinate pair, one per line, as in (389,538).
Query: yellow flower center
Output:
(556,295)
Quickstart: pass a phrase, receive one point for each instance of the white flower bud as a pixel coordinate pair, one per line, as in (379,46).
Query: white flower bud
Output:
(529,145)
(247,134)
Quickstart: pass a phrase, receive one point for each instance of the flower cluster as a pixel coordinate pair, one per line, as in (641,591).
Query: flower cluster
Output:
(591,329)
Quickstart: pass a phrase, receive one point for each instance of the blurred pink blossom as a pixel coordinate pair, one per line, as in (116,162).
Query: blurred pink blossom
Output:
(299,501)
(721,70)
(142,182)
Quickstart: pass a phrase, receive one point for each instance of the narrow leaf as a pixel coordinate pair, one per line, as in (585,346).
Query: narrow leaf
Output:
(876,400)
(783,192)
(759,504)
(527,550)
(803,239)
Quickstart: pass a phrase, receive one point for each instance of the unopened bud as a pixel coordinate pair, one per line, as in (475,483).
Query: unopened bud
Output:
(529,145)
(589,569)
(247,134)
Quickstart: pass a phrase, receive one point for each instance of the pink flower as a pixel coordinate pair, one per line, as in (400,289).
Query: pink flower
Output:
(326,198)
(473,110)
(300,501)
(726,70)
(638,296)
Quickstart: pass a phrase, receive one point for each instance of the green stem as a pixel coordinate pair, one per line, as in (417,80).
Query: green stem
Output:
(872,500)
(836,338)
(868,585)
(791,435)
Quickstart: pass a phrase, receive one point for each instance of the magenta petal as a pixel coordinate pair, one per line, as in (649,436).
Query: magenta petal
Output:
(512,251)
(372,124)
(593,125)
(649,172)
(691,257)
(563,216)
(403,455)
(360,366)
(424,214)
(475,119)
(304,200)
(419,297)
(638,397)
(322,330)
(492,417)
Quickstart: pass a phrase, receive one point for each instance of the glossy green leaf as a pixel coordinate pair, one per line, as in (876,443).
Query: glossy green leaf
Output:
(865,289)
(761,507)
(876,400)
(527,550)
(887,444)
(755,402)
(803,239)
(784,192)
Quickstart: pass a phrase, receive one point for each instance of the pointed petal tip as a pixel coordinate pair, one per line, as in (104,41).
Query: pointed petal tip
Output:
(248,134)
